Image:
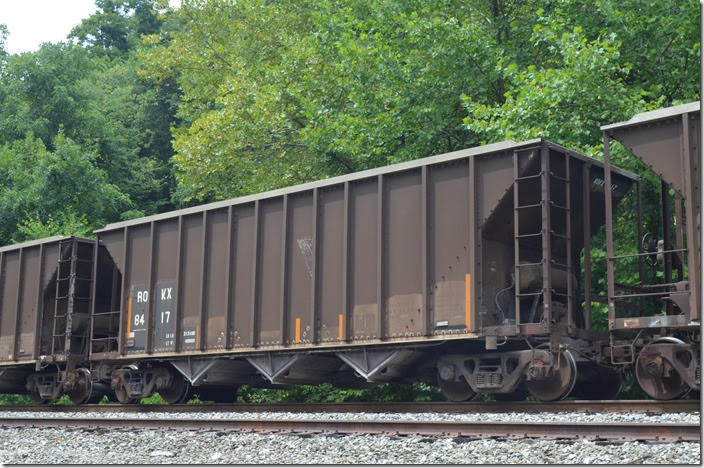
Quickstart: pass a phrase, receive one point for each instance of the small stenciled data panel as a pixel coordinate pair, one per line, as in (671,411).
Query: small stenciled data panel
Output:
(137,310)
(163,320)
(164,316)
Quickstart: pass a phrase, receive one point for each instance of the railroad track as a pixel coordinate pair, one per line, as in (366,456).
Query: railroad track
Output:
(576,406)
(620,432)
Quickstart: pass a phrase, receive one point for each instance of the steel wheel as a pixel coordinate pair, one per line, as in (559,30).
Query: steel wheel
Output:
(656,376)
(121,395)
(83,388)
(456,390)
(178,392)
(559,384)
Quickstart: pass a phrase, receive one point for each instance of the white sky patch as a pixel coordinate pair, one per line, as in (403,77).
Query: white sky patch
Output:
(32,22)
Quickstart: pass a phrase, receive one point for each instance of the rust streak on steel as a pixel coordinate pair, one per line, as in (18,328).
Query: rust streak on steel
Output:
(615,432)
(577,406)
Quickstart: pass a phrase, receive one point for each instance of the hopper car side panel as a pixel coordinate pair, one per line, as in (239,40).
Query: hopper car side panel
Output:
(28,297)
(655,323)
(667,141)
(25,274)
(404,253)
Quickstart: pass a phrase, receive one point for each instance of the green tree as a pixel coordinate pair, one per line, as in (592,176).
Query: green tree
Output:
(276,93)
(280,92)
(97,99)
(564,99)
(240,113)
(117,26)
(46,192)
(3,38)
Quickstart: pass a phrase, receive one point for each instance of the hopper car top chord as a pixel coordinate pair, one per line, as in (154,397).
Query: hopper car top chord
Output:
(470,270)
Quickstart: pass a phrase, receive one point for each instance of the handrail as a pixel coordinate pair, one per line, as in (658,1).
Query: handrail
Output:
(643,254)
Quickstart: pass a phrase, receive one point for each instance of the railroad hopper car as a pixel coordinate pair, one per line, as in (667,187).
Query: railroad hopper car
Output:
(462,270)
(45,313)
(655,321)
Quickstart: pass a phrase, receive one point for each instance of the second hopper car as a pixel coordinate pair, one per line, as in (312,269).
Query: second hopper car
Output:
(655,319)
(462,270)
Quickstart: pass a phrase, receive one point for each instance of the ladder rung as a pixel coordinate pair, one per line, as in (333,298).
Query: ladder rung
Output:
(558,264)
(529,206)
(529,294)
(564,236)
(559,206)
(78,278)
(97,314)
(521,236)
(557,293)
(523,265)
(555,176)
(534,176)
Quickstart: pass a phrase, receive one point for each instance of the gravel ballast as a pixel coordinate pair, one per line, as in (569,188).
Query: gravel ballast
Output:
(682,418)
(47,446)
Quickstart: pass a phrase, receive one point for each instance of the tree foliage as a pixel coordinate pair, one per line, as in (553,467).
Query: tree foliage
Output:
(44,192)
(276,93)
(82,112)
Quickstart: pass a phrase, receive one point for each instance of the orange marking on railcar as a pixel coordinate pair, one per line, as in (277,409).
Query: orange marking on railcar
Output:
(468,301)
(341,323)
(298,329)
(129,316)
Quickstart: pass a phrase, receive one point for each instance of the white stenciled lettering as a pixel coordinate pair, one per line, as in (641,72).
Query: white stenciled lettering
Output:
(142,296)
(165,294)
(601,183)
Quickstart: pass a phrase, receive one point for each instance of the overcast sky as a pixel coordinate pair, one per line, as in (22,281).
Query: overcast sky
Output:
(31,22)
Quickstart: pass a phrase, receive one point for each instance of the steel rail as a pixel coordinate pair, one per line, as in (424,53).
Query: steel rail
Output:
(572,406)
(614,432)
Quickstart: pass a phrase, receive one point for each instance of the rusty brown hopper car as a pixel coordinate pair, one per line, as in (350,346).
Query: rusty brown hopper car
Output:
(655,322)
(461,269)
(45,305)
(30,293)
(374,257)
(376,272)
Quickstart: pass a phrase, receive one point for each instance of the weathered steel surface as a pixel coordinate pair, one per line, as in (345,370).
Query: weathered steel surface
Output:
(27,298)
(47,293)
(668,142)
(402,253)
